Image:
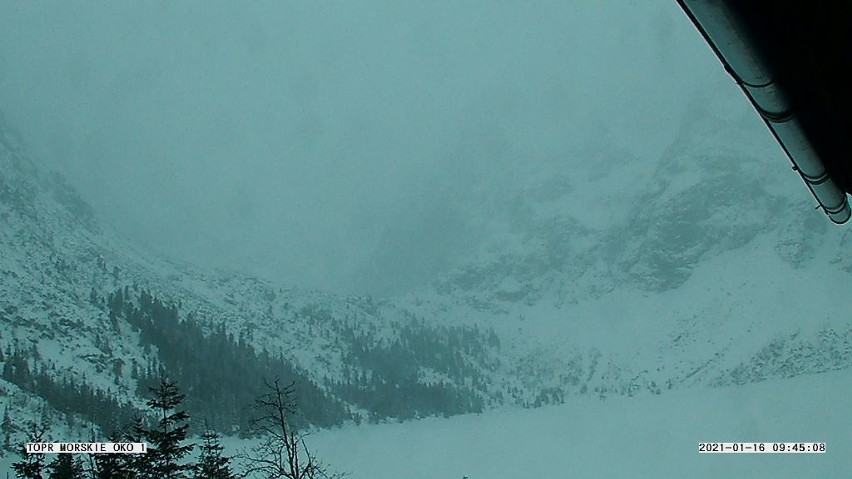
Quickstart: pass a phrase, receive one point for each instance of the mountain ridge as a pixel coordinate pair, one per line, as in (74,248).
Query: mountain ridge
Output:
(556,305)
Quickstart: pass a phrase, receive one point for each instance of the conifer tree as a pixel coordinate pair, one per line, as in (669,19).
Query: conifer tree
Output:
(31,465)
(212,464)
(65,466)
(118,466)
(165,441)
(8,428)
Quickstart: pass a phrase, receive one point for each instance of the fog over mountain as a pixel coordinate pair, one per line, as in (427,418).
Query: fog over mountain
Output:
(435,213)
(349,146)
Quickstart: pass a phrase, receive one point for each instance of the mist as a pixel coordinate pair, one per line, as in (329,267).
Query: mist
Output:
(340,145)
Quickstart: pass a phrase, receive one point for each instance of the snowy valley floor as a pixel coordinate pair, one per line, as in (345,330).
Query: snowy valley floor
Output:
(648,436)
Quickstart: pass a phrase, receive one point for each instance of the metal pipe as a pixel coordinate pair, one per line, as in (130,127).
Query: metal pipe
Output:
(731,42)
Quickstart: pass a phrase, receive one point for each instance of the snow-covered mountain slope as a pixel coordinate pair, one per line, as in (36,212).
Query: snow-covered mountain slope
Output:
(75,299)
(703,273)
(717,273)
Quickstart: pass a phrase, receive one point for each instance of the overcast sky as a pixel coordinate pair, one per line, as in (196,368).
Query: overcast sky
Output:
(312,141)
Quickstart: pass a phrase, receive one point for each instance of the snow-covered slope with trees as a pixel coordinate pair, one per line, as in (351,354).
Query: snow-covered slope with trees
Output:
(704,275)
(89,319)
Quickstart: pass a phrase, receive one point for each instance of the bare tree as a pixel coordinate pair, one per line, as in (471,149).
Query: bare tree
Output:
(282,452)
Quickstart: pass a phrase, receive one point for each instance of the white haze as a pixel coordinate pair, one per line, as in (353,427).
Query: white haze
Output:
(330,143)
